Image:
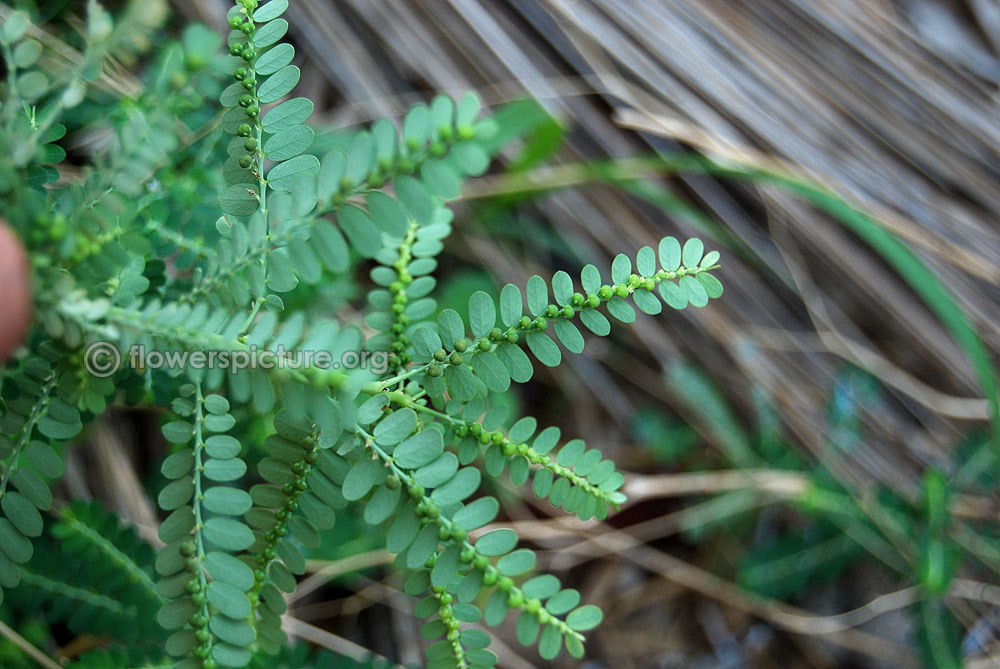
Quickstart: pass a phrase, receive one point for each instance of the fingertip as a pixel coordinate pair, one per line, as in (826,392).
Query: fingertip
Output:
(15,292)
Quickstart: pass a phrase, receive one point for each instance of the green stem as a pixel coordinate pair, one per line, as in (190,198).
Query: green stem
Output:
(108,549)
(462,541)
(38,411)
(199,525)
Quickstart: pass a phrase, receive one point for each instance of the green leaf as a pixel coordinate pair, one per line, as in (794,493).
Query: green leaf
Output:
(419,450)
(518,562)
(381,505)
(497,542)
(621,310)
(330,245)
(462,484)
(228,599)
(542,483)
(516,362)
(176,494)
(692,253)
(228,569)
(527,628)
(372,409)
(673,295)
(222,423)
(562,287)
(388,215)
(451,326)
(645,261)
(538,295)
(585,618)
(361,478)
(435,473)
(396,427)
(511,306)
(621,269)
(22,513)
(670,254)
(590,278)
(361,230)
(279,84)
(423,546)
(492,371)
(178,432)
(461,382)
(468,109)
(521,431)
(425,341)
(222,446)
(178,464)
(228,655)
(647,302)
(470,158)
(284,176)
(281,576)
(712,286)
(403,530)
(574,646)
(303,531)
(496,608)
(289,142)
(236,632)
(270,33)
(563,601)
(477,513)
(15,26)
(446,567)
(569,453)
(289,113)
(176,613)
(416,127)
(540,587)
(280,271)
(550,642)
(711,259)
(695,291)
(384,135)
(270,10)
(546,440)
(14,544)
(482,313)
(228,534)
(570,336)
(238,201)
(225,470)
(596,322)
(44,458)
(177,525)
(230,501)
(331,173)
(415,199)
(441,179)
(543,348)
(360,156)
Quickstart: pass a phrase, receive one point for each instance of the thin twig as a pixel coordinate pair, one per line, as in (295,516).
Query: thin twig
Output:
(25,645)
(338,644)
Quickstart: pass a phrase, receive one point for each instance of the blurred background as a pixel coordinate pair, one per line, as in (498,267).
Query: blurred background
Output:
(811,465)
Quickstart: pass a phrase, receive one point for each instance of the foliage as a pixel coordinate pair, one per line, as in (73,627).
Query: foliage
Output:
(132,262)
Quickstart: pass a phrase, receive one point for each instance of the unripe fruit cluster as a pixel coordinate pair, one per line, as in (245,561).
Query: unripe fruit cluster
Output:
(196,588)
(245,75)
(292,490)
